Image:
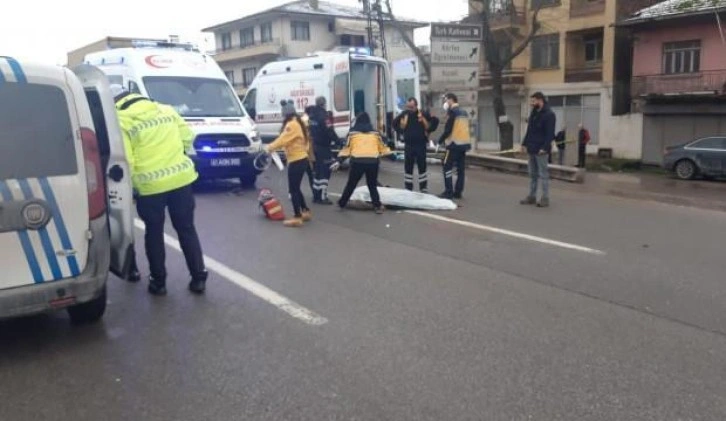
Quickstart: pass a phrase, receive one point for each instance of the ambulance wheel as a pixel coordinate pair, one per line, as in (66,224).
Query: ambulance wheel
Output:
(248,181)
(89,312)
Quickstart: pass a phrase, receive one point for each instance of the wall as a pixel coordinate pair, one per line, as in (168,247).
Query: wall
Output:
(624,134)
(648,48)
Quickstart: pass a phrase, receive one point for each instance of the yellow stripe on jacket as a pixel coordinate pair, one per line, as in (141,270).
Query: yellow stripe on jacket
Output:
(364,145)
(293,141)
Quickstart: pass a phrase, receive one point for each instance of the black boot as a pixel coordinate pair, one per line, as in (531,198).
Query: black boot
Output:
(199,283)
(156,287)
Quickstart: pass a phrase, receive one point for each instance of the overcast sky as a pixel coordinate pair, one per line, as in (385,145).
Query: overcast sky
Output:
(46,30)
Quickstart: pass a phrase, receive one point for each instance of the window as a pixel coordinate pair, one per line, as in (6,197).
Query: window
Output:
(230,76)
(266,32)
(134,87)
(250,103)
(341,92)
(352,40)
(593,49)
(226,41)
(247,37)
(248,75)
(709,143)
(300,31)
(545,3)
(546,51)
(682,57)
(43,147)
(193,96)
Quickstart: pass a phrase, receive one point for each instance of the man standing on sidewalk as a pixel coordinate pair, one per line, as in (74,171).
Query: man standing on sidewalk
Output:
(583,138)
(155,139)
(538,144)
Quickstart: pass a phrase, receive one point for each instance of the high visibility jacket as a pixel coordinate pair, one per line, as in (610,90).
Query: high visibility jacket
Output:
(155,139)
(306,120)
(293,140)
(456,133)
(364,147)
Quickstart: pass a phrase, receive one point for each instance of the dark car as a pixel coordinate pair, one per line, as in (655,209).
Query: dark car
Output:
(704,157)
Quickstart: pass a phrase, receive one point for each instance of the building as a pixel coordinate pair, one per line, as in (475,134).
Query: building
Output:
(294,30)
(678,72)
(76,57)
(574,59)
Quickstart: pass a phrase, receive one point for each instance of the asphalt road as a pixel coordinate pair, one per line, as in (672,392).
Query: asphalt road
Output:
(597,308)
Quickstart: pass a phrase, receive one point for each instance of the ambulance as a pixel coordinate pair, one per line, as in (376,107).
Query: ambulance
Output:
(66,214)
(352,81)
(177,74)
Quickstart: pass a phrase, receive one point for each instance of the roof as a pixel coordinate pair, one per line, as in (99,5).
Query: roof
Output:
(303,7)
(673,9)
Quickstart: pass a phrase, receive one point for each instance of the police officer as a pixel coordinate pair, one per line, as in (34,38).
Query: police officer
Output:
(414,125)
(156,138)
(457,138)
(323,136)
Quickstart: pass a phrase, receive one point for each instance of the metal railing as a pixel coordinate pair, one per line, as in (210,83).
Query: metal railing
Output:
(583,74)
(586,7)
(506,14)
(509,77)
(712,82)
(259,43)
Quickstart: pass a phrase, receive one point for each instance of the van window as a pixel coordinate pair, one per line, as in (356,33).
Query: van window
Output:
(36,132)
(195,97)
(134,87)
(249,103)
(341,92)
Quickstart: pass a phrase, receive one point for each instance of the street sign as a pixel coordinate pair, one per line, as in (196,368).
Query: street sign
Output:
(456,31)
(455,52)
(452,78)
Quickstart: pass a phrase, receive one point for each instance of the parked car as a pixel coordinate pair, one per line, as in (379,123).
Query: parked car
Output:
(705,157)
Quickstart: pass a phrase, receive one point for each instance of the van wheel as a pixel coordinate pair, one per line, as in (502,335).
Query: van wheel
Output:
(248,181)
(89,312)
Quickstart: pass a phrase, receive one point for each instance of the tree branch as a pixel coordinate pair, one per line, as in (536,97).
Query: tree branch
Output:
(530,36)
(423,62)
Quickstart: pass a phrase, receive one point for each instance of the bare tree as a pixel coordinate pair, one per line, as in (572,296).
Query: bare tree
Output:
(498,60)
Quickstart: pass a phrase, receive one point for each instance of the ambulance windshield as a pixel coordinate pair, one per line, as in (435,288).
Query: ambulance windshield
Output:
(195,97)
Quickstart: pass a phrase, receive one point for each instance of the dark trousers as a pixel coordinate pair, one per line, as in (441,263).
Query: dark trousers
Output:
(311,177)
(322,175)
(415,155)
(581,155)
(152,210)
(295,173)
(455,158)
(357,171)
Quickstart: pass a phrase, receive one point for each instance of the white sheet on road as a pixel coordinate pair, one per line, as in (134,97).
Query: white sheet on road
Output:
(402,198)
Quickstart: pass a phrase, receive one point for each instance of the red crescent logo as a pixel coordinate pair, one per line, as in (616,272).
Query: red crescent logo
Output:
(158,62)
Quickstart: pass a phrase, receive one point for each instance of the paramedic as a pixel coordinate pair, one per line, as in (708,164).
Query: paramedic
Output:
(155,138)
(414,125)
(322,136)
(457,138)
(296,142)
(364,147)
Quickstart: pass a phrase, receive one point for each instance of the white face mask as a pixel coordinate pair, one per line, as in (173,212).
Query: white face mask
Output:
(446,106)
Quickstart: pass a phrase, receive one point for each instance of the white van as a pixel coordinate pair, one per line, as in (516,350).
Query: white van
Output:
(64,219)
(191,82)
(351,82)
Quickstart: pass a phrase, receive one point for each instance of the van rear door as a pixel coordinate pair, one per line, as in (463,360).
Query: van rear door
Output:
(43,196)
(116,167)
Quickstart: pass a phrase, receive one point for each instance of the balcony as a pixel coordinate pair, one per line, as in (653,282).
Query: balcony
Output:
(257,50)
(711,82)
(586,7)
(583,74)
(507,16)
(511,79)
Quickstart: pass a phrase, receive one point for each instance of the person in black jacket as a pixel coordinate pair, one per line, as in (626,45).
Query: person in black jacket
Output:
(413,124)
(538,144)
(323,136)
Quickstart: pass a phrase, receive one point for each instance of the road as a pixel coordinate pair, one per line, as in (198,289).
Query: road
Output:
(597,308)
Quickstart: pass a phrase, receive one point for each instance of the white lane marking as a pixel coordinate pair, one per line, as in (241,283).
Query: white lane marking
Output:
(509,233)
(283,303)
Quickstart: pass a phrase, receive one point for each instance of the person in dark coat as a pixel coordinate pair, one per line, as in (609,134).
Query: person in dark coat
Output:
(538,145)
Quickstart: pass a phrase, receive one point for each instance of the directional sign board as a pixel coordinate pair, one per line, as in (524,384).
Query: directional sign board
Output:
(455,52)
(453,78)
(456,31)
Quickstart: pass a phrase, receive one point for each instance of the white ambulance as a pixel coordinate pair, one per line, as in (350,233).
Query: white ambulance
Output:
(351,81)
(191,82)
(66,214)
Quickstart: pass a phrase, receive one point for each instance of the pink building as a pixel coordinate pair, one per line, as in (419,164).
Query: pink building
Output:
(678,72)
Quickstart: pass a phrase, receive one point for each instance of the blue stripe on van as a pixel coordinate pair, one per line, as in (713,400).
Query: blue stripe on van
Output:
(17,70)
(59,224)
(44,237)
(24,240)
